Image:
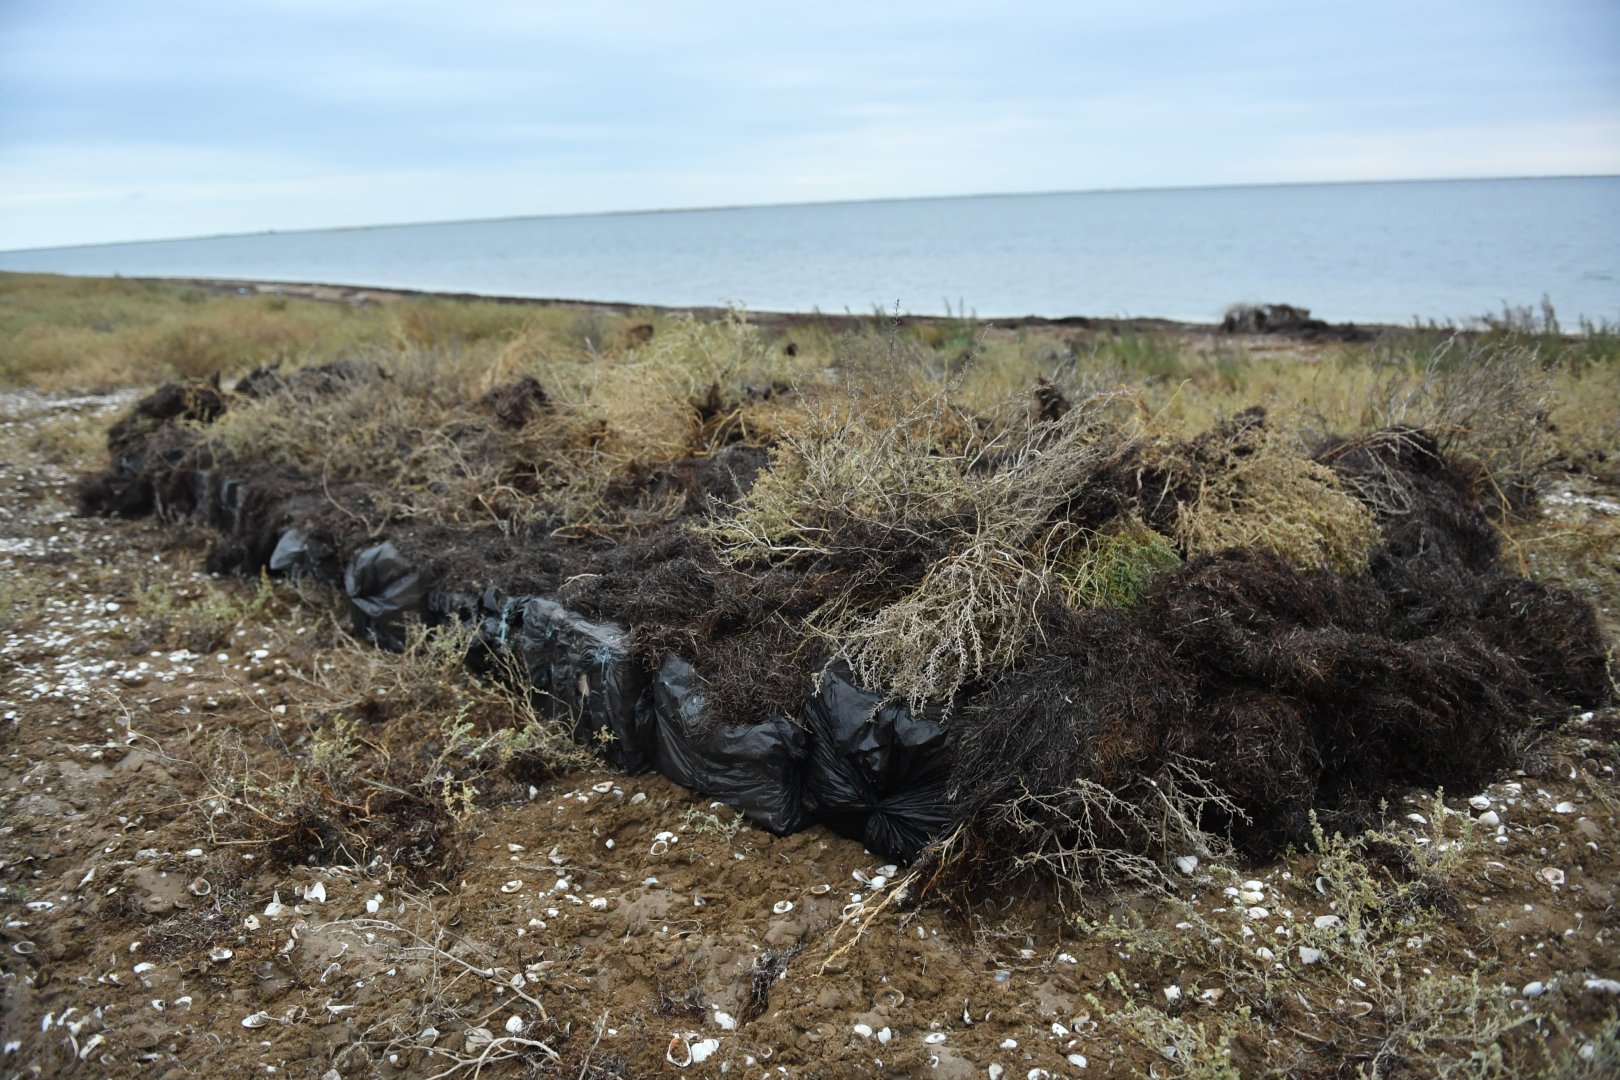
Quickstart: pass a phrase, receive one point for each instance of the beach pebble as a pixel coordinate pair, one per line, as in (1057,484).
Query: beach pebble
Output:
(1490,818)
(1534,989)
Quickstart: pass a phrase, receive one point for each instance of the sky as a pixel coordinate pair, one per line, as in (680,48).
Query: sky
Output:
(167,118)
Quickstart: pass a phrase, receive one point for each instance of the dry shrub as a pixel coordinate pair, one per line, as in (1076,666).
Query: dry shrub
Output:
(973,613)
(1487,399)
(661,400)
(942,533)
(1249,484)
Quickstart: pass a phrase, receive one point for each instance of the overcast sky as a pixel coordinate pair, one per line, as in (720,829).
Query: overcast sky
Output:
(171,118)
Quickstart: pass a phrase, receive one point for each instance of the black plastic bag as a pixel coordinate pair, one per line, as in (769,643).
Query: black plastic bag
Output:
(497,645)
(384,594)
(757,769)
(583,672)
(298,554)
(877,773)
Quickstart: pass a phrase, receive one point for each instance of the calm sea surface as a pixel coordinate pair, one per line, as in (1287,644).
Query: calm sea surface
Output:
(1350,252)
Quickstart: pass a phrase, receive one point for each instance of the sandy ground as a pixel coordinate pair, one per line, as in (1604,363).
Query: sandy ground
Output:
(605,925)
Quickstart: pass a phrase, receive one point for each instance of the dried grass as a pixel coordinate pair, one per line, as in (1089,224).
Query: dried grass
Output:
(1251,485)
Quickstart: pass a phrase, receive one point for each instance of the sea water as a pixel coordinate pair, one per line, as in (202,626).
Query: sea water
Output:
(1365,252)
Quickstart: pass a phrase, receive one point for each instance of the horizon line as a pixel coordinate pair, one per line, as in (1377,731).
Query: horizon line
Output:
(805,203)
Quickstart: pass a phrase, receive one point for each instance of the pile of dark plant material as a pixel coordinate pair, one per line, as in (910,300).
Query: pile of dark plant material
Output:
(1293,691)
(1239,697)
(1289,321)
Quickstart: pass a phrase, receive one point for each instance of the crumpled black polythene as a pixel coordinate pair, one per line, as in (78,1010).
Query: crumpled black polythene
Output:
(877,773)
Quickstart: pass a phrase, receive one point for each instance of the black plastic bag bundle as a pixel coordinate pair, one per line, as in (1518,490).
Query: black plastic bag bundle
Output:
(384,594)
(756,769)
(584,672)
(877,773)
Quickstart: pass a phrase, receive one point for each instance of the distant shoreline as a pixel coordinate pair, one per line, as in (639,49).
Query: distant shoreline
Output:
(367,294)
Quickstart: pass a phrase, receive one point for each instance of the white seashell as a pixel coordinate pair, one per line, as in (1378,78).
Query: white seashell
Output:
(200,886)
(1059,1030)
(275,909)
(1172,994)
(1257,913)
(1534,989)
(1357,1009)
(1067,958)
(725,1021)
(888,870)
(659,847)
(1187,864)
(1480,802)
(39,905)
(878,882)
(374,904)
(514,1024)
(863,1030)
(1308,955)
(820,890)
(782,907)
(934,1038)
(638,798)
(599,903)
(603,788)
(1551,875)
(255,1020)
(512,886)
(219,956)
(995,1072)
(1009,1044)
(477,1039)
(884,1035)
(704,1049)
(1490,818)
(1212,995)
(1604,986)
(316,893)
(1251,896)
(1264,953)
(1077,1060)
(25,948)
(1328,922)
(861,876)
(143,967)
(1564,808)
(250,923)
(1322,885)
